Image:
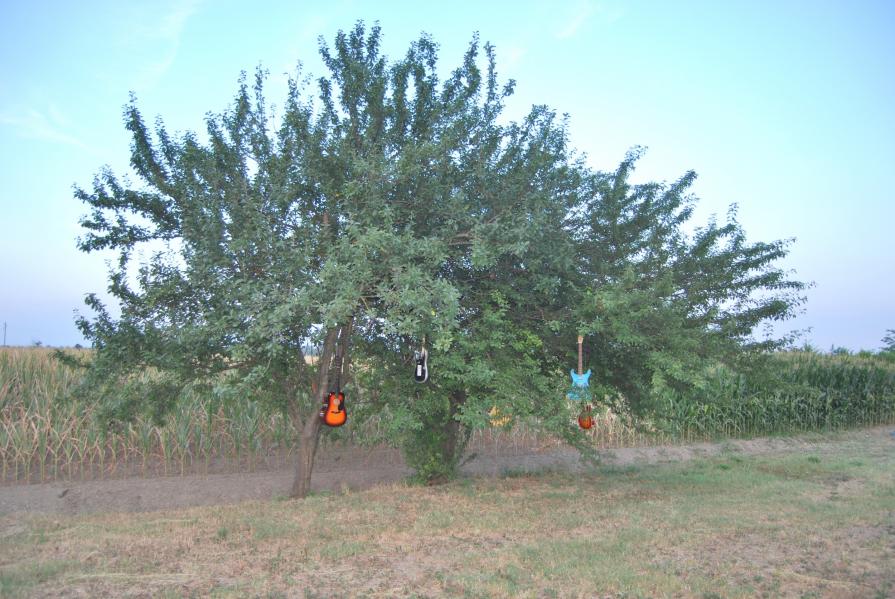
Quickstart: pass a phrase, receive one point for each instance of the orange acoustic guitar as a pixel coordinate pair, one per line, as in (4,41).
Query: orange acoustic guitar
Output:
(585,418)
(333,412)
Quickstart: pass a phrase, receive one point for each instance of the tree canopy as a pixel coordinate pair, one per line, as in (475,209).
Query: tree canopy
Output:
(393,209)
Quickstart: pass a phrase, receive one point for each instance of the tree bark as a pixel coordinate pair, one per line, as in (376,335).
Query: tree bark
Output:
(453,446)
(307,449)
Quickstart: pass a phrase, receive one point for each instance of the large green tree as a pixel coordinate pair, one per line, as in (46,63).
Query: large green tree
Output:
(391,209)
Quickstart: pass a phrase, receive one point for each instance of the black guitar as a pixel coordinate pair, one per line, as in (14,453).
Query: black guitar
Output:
(421,374)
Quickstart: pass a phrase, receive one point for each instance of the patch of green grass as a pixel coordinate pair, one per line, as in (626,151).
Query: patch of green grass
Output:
(489,581)
(565,493)
(515,472)
(18,580)
(265,527)
(612,470)
(434,520)
(341,549)
(617,563)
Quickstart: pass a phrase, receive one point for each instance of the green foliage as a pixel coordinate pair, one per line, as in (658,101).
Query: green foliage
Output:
(888,350)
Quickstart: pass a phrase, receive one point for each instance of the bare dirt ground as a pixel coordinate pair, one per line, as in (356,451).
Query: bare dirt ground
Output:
(356,469)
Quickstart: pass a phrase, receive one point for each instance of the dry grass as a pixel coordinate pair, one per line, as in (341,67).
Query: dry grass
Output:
(817,525)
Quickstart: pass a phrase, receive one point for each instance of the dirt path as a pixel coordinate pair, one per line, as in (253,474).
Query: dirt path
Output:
(365,469)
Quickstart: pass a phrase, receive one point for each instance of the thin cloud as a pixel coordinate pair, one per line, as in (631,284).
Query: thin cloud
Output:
(583,11)
(174,22)
(47,126)
(151,74)
(167,31)
(513,55)
(167,27)
(586,10)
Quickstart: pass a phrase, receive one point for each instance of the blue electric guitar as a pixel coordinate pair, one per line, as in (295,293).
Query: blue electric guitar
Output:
(580,380)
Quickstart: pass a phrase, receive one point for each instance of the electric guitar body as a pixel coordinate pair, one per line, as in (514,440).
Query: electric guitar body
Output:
(580,380)
(333,412)
(579,390)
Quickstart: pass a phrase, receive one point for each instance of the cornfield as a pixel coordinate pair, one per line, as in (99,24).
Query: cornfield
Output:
(798,391)
(43,439)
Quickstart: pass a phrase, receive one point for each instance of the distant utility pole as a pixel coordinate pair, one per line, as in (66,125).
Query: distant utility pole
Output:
(4,333)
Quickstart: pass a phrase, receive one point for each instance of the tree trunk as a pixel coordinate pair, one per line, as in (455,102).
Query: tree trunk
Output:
(310,430)
(309,424)
(307,449)
(453,446)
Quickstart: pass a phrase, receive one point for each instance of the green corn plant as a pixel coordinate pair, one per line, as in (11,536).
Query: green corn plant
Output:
(68,450)
(183,433)
(205,433)
(166,443)
(145,436)
(5,449)
(23,442)
(41,426)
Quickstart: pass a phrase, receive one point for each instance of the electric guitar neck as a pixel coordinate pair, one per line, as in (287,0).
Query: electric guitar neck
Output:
(580,378)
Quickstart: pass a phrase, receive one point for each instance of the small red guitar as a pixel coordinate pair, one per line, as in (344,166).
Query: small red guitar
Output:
(585,418)
(333,412)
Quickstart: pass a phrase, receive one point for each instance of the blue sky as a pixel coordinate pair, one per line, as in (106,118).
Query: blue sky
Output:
(784,108)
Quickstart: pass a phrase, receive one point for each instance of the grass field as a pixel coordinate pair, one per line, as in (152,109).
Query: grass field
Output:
(810,524)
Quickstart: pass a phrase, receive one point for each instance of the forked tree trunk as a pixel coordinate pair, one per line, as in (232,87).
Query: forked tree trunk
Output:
(310,424)
(307,449)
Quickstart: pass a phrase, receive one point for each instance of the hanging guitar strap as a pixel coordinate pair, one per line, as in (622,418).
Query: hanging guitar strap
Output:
(340,356)
(338,366)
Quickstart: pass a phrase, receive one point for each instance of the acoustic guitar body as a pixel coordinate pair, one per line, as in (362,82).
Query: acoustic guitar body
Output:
(585,418)
(333,412)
